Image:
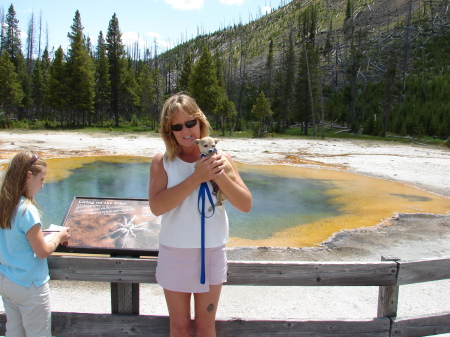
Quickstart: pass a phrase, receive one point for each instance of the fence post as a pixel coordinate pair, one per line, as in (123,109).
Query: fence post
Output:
(124,296)
(388,296)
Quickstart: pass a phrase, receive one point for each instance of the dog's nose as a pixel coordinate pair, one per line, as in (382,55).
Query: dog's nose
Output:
(210,151)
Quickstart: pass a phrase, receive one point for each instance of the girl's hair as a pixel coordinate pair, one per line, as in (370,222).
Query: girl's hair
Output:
(180,102)
(14,184)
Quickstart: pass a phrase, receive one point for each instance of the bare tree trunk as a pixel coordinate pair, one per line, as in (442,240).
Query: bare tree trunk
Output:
(313,115)
(337,49)
(242,72)
(230,63)
(30,43)
(40,35)
(322,108)
(406,47)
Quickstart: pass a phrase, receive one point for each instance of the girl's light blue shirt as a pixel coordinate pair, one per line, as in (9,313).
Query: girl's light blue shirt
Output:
(17,259)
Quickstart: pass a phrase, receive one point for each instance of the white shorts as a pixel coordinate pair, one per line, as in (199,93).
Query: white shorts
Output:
(27,310)
(178,269)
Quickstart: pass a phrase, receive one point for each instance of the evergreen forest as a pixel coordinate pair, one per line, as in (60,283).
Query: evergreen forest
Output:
(366,68)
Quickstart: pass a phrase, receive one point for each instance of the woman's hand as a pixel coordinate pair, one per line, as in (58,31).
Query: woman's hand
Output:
(209,168)
(236,192)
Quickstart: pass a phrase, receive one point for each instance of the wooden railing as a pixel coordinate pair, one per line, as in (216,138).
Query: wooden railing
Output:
(388,275)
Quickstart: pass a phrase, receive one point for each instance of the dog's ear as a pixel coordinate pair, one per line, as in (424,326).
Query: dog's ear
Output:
(196,142)
(216,140)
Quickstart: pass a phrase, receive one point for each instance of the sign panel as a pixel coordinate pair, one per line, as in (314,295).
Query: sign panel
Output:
(114,226)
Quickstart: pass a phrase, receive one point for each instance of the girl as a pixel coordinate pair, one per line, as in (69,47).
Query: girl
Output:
(23,249)
(175,180)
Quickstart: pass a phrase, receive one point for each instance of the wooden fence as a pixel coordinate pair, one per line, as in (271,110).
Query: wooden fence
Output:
(125,274)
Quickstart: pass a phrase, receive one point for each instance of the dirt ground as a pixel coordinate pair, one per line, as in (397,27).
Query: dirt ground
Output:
(405,236)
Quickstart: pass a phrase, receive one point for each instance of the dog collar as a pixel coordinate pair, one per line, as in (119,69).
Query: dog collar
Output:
(204,155)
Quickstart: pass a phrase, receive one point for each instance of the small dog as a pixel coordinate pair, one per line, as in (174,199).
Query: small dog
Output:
(207,146)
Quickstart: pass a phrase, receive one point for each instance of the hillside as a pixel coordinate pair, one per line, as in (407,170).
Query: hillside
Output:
(383,22)
(376,67)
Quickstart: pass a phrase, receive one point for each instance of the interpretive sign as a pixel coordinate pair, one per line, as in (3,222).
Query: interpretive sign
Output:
(111,226)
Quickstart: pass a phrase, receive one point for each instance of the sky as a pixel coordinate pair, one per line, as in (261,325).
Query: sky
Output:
(166,22)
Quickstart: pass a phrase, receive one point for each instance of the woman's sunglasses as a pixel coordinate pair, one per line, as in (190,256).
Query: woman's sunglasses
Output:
(188,124)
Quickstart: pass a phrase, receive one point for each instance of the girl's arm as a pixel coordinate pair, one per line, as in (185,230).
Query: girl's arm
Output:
(163,199)
(43,248)
(237,192)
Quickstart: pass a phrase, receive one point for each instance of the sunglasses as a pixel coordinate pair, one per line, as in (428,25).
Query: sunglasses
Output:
(188,124)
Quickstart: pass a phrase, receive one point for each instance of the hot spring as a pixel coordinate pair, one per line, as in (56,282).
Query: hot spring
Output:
(292,206)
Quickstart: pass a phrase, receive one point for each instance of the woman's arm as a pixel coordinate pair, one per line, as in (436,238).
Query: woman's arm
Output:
(163,199)
(43,248)
(237,192)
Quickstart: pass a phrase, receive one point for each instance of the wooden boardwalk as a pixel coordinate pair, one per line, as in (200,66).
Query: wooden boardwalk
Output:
(125,275)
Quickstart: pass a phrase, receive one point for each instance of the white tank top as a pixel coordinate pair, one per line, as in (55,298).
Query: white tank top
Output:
(181,226)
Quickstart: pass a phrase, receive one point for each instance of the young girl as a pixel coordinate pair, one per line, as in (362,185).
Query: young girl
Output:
(23,249)
(175,180)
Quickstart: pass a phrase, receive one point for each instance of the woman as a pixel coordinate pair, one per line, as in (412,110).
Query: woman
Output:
(175,180)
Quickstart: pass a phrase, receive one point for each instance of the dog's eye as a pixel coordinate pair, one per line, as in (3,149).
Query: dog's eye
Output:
(205,145)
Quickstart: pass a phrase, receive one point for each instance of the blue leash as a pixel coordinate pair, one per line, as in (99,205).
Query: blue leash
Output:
(202,193)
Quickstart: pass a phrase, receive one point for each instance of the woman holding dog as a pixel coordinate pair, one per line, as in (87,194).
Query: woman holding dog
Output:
(175,180)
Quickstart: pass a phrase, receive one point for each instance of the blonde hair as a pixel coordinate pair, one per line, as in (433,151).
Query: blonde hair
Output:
(180,102)
(14,184)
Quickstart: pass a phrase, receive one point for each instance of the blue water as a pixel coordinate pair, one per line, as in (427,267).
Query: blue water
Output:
(278,202)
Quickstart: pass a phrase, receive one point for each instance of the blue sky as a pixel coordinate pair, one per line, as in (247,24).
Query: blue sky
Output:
(168,22)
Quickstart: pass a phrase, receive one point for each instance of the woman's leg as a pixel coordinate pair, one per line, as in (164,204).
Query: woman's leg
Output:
(179,305)
(205,311)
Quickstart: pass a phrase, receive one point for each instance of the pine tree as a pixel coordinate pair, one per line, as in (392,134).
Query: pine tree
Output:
(12,44)
(224,110)
(45,65)
(25,107)
(117,64)
(102,81)
(80,73)
(183,80)
(11,40)
(11,93)
(261,109)
(57,93)
(147,90)
(129,98)
(38,89)
(203,83)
